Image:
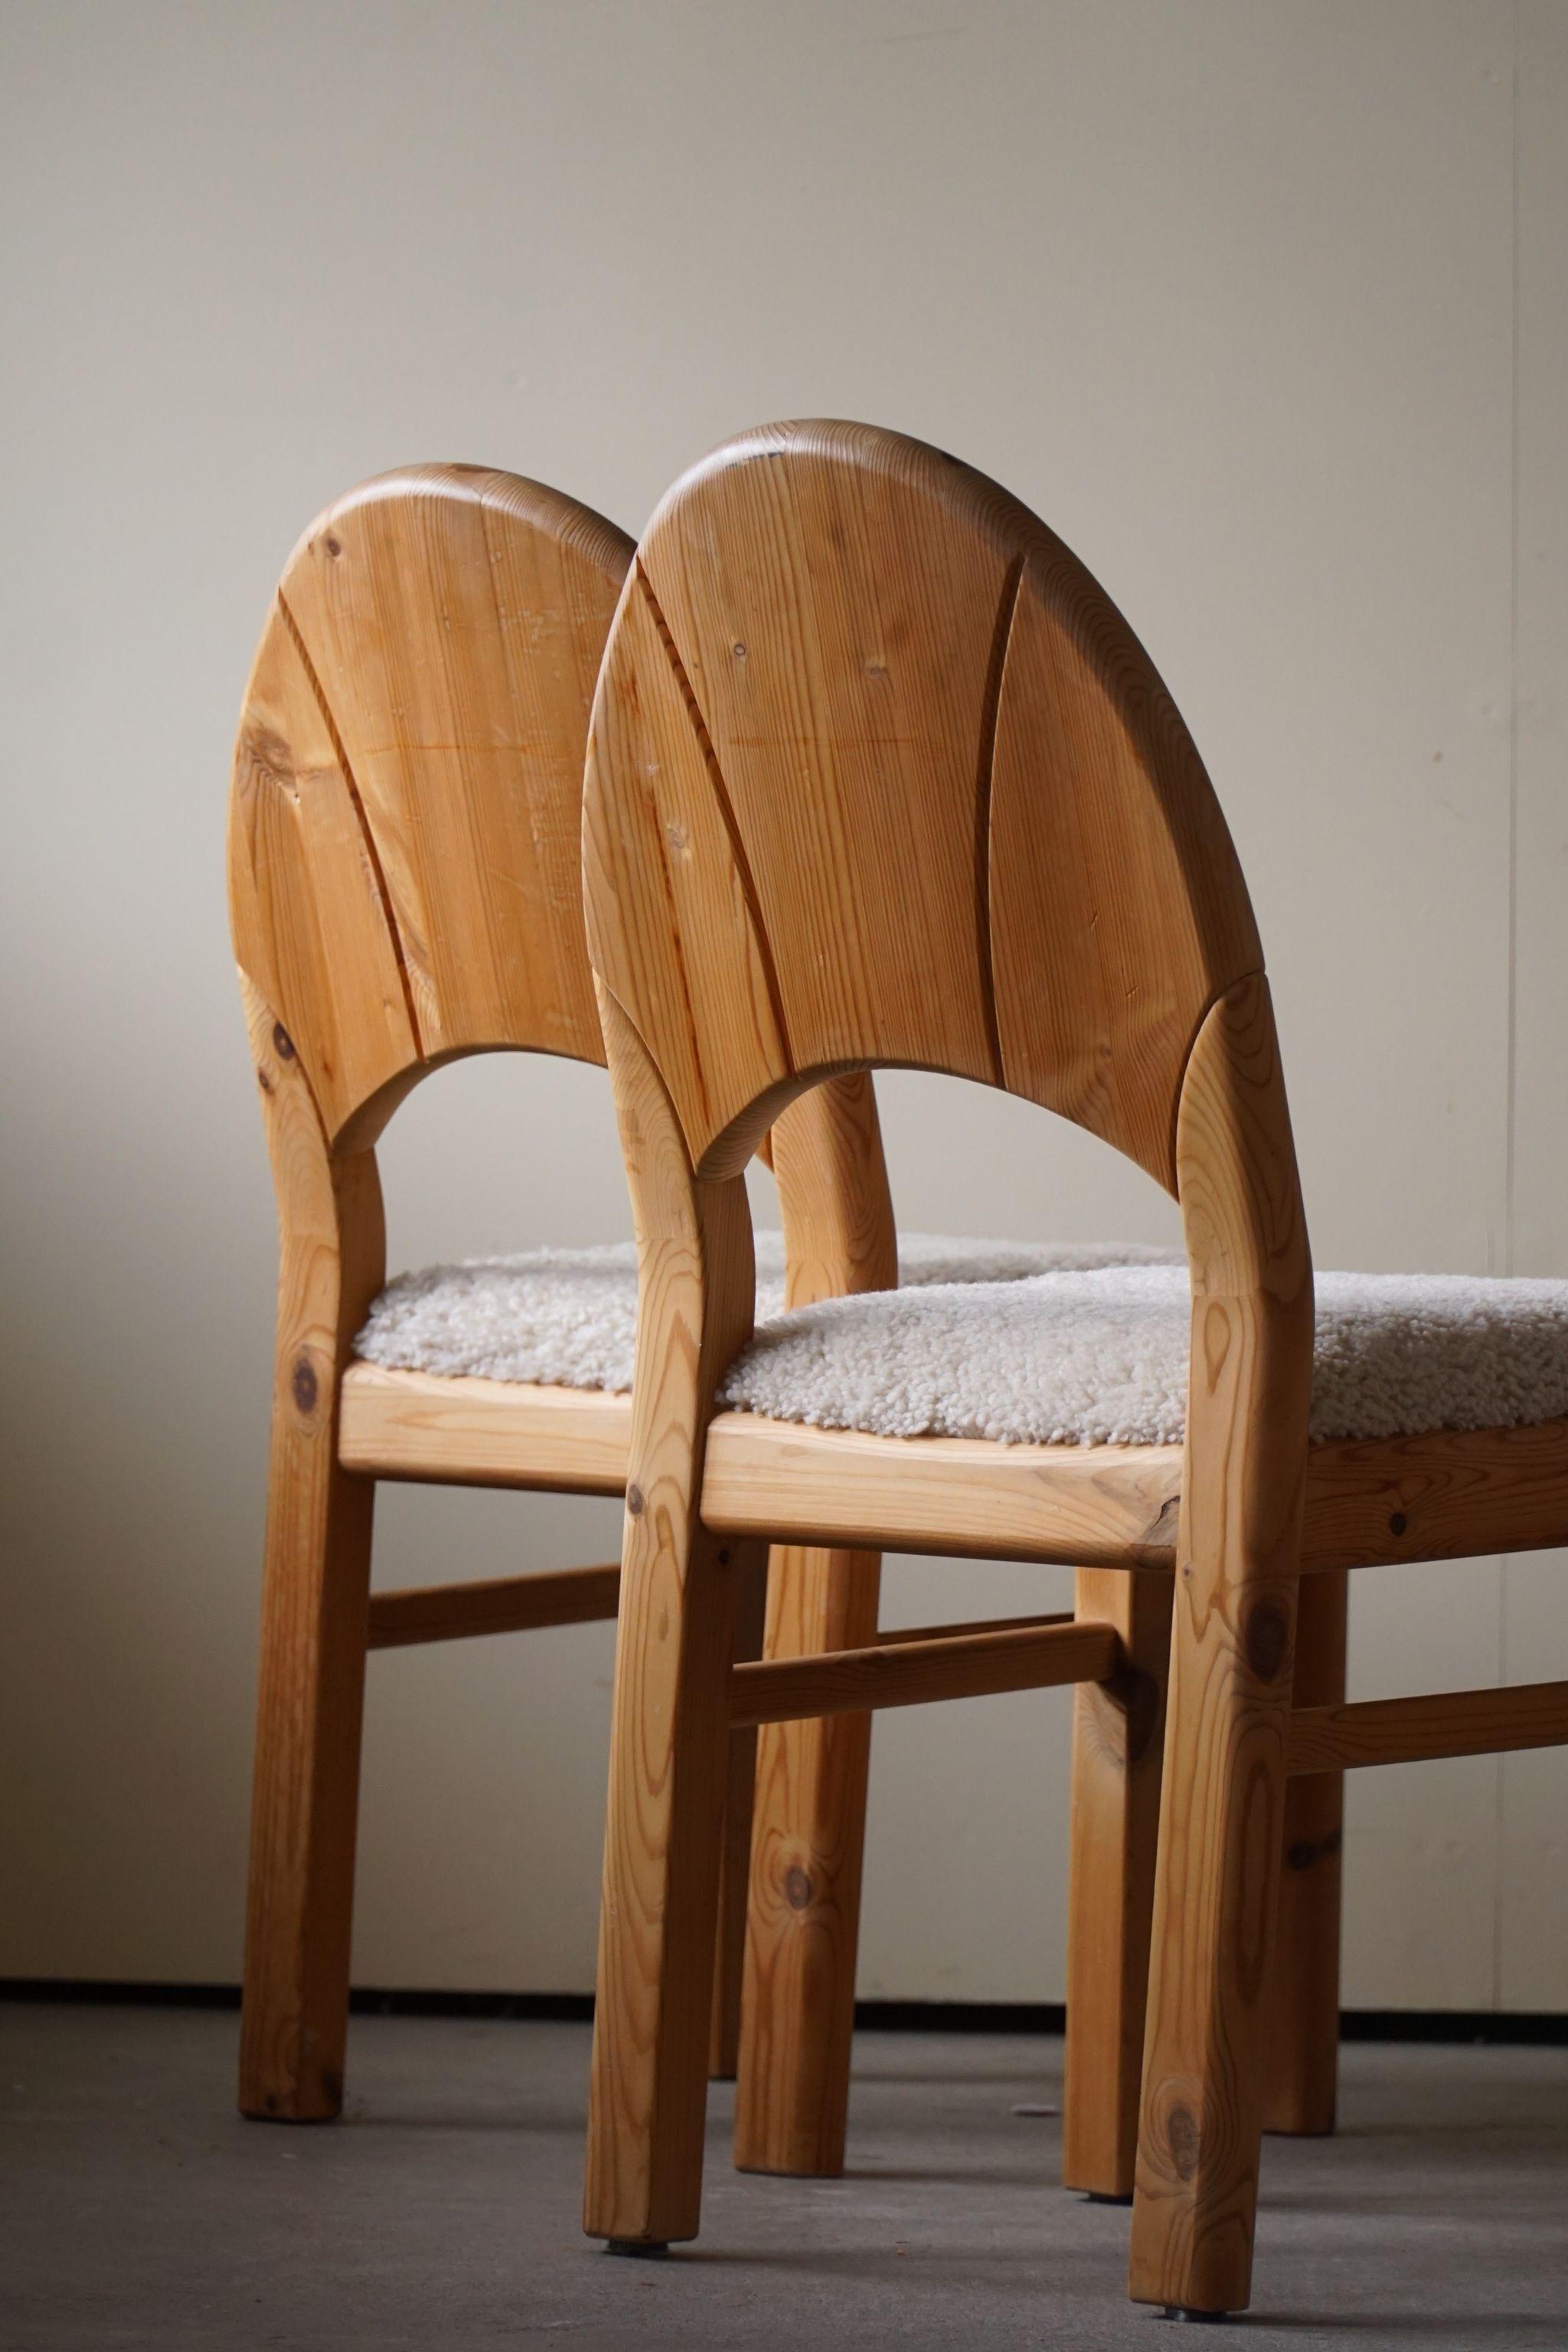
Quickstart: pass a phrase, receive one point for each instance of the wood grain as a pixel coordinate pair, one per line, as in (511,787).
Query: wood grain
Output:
(453,617)
(1098,1505)
(948,778)
(403,886)
(306,904)
(670,1726)
(914,1674)
(500,1604)
(1119,1726)
(1326,1739)
(877,775)
(809,1822)
(403,842)
(1302,2093)
(1450,1494)
(314,1608)
(438,1430)
(1222,1800)
(735,1855)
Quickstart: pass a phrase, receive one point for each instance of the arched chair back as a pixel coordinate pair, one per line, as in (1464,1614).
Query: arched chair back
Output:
(404,865)
(878,774)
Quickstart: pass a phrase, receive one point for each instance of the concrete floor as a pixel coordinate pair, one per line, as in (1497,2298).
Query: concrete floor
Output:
(138,2211)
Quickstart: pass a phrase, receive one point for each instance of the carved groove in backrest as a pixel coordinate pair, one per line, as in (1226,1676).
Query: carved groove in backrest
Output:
(405,835)
(725,807)
(963,826)
(356,798)
(985,784)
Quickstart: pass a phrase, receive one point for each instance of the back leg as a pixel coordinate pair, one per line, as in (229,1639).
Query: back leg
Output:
(1304,2046)
(315,1611)
(735,1866)
(1119,1730)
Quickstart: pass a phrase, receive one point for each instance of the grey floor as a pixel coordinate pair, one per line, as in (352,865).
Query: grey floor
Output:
(137,2209)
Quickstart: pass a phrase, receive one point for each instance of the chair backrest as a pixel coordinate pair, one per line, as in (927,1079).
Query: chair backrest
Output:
(878,774)
(404,877)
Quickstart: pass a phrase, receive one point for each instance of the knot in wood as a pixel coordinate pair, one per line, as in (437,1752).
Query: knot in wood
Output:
(303,1385)
(1303,1854)
(1267,1639)
(1182,2134)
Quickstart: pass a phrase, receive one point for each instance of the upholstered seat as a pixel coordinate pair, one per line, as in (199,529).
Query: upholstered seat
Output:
(1017,1344)
(567,1319)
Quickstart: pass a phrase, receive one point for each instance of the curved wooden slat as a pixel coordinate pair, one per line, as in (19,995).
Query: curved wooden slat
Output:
(306,905)
(967,828)
(455,617)
(404,879)
(1117,910)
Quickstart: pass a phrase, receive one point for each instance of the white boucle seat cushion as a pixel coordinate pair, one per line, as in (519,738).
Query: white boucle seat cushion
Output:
(568,1319)
(1100,1359)
(1022,1345)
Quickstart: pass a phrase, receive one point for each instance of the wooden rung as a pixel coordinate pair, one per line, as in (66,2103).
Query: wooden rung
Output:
(1415,1731)
(904,1673)
(502,1604)
(902,1635)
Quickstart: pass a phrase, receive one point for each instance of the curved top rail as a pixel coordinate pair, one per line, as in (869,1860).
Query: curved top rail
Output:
(878,774)
(404,838)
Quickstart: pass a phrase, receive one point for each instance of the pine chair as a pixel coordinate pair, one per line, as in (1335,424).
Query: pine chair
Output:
(405,881)
(878,776)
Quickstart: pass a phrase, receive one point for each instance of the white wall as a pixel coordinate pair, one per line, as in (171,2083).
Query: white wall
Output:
(1260,302)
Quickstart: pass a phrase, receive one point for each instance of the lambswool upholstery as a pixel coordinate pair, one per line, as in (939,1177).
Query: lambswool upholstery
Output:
(1036,1344)
(568,1317)
(1100,1358)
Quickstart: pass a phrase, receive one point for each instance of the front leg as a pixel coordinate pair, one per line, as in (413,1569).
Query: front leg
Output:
(681,1586)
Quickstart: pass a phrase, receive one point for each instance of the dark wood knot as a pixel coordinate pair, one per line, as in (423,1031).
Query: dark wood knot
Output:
(1182,2131)
(283,1044)
(798,1888)
(1267,1640)
(1397,1523)
(635,1501)
(1304,1853)
(334,546)
(303,1385)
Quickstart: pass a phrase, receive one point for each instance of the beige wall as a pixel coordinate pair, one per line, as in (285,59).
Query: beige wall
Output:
(1260,302)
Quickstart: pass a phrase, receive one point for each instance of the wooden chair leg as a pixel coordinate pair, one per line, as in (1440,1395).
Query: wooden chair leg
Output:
(809,1834)
(1118,1736)
(683,1590)
(1303,2061)
(735,1863)
(1222,1801)
(658,1916)
(315,1618)
(1222,1806)
(315,1613)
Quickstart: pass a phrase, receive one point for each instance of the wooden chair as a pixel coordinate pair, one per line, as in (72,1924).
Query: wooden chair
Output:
(405,884)
(878,776)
